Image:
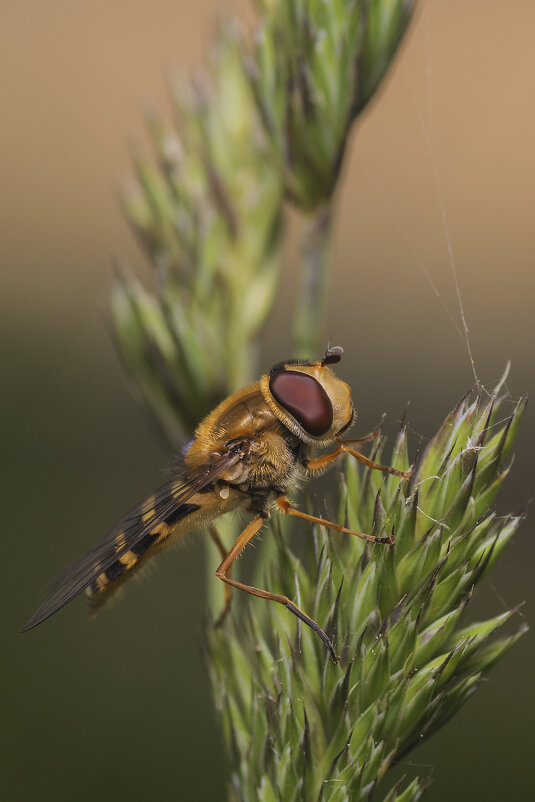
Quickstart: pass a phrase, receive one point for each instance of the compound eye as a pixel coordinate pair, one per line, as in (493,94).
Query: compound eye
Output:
(305,399)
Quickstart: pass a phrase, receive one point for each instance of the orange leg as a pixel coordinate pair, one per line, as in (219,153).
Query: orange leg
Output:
(368,438)
(319,463)
(228,589)
(248,533)
(284,505)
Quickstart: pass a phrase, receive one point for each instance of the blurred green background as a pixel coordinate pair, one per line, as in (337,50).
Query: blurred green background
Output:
(120,707)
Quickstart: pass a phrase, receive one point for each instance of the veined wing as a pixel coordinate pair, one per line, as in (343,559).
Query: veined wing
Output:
(131,529)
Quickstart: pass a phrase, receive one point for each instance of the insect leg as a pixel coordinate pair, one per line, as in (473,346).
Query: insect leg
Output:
(248,533)
(228,588)
(368,438)
(320,463)
(285,506)
(374,465)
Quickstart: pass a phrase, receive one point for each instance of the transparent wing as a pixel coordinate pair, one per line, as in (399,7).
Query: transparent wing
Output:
(128,533)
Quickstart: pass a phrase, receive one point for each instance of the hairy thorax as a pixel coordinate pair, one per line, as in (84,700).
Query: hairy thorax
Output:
(270,453)
(271,462)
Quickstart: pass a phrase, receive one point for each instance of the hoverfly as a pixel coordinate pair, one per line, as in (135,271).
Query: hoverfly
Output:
(246,454)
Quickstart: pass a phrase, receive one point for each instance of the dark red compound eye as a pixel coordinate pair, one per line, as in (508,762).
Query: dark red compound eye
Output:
(304,398)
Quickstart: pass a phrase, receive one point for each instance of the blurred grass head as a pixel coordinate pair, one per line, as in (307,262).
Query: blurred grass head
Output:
(314,67)
(208,214)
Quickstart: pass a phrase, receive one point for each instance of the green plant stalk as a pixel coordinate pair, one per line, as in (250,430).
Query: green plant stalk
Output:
(314,282)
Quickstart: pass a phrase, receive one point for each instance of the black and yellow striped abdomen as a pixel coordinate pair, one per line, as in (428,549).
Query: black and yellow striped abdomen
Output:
(123,568)
(185,518)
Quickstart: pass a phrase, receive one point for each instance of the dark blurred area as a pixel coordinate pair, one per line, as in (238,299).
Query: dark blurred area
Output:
(120,707)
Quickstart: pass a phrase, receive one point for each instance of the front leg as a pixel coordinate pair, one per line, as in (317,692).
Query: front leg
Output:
(319,464)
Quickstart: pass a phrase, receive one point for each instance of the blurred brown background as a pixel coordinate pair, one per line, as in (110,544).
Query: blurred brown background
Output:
(120,708)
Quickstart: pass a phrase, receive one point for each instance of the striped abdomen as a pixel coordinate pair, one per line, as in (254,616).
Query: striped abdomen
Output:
(128,563)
